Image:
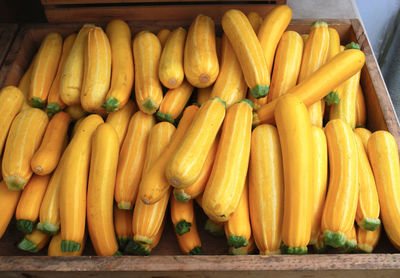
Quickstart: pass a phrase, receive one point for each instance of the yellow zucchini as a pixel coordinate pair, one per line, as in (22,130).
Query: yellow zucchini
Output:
(271,30)
(11,101)
(361,109)
(8,203)
(266,189)
(384,158)
(120,119)
(72,74)
(25,135)
(144,249)
(368,209)
(54,102)
(295,136)
(227,180)
(96,70)
(334,43)
(182,215)
(287,64)
(189,242)
(46,158)
(54,249)
(44,69)
(351,240)
(364,135)
(122,77)
(154,184)
(200,55)
(320,180)
(230,85)
(29,204)
(367,240)
(123,226)
(76,112)
(163,36)
(103,170)
(24,85)
(343,190)
(131,159)
(73,185)
(237,228)
(147,52)
(305,38)
(248,51)
(34,242)
(244,250)
(203,94)
(255,20)
(170,69)
(185,194)
(320,83)
(182,171)
(174,102)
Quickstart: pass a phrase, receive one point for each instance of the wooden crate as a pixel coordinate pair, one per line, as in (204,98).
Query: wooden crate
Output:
(166,259)
(7,34)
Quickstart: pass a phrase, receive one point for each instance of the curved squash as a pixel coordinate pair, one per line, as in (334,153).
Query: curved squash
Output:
(163,36)
(34,242)
(8,203)
(189,242)
(182,215)
(367,240)
(24,85)
(334,43)
(54,249)
(119,120)
(364,134)
(255,20)
(123,226)
(361,109)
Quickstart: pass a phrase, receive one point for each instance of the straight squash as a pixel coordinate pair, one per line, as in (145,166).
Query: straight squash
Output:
(154,184)
(255,20)
(131,159)
(171,71)
(384,157)
(123,226)
(29,204)
(72,74)
(54,249)
(200,55)
(203,94)
(320,83)
(148,91)
(230,85)
(368,209)
(24,85)
(46,158)
(295,136)
(334,43)
(351,241)
(367,240)
(54,102)
(182,171)
(248,51)
(8,203)
(73,185)
(119,120)
(96,71)
(34,242)
(343,190)
(244,250)
(361,109)
(225,186)
(119,34)
(174,102)
(182,215)
(11,101)
(163,35)
(189,242)
(287,64)
(144,249)
(364,134)
(271,30)
(44,69)
(103,170)
(266,189)
(25,135)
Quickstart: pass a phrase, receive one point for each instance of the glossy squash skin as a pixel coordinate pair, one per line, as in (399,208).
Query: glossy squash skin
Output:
(255,20)
(54,249)
(123,226)
(361,109)
(120,119)
(190,242)
(163,36)
(8,203)
(24,85)
(34,242)
(367,240)
(203,94)
(364,134)
(182,215)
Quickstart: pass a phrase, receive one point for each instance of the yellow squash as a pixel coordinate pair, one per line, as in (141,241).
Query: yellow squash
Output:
(174,102)
(203,94)
(123,226)
(237,228)
(384,157)
(122,77)
(287,64)
(29,204)
(182,215)
(144,249)
(343,190)
(182,170)
(25,135)
(54,249)
(367,240)
(76,112)
(163,36)
(368,209)
(334,43)
(103,170)
(320,180)
(154,184)
(54,102)
(305,38)
(24,85)
(320,83)
(131,159)
(120,119)
(44,69)
(361,109)
(8,203)
(364,134)
(351,240)
(314,56)
(147,52)
(96,71)
(170,70)
(46,158)
(34,242)
(295,136)
(244,250)
(248,51)
(255,20)
(227,180)
(200,55)
(11,100)
(76,159)
(266,189)
(271,30)
(230,85)
(189,242)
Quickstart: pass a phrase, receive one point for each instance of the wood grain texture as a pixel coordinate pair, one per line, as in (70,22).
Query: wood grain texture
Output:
(7,34)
